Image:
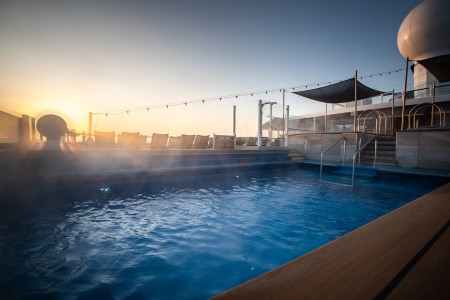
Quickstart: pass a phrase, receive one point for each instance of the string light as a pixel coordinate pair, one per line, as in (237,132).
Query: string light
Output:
(242,94)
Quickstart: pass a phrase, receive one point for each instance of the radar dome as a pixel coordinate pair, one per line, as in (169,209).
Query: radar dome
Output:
(425,32)
(52,127)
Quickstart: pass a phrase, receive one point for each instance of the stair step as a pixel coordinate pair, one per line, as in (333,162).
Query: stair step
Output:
(359,172)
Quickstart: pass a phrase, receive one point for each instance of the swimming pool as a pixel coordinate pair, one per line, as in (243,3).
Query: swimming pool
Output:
(179,238)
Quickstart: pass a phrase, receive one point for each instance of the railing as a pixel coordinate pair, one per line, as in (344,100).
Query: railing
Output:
(416,108)
(331,146)
(379,118)
(358,153)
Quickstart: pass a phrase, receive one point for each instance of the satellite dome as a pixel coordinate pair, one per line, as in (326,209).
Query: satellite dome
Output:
(425,32)
(52,127)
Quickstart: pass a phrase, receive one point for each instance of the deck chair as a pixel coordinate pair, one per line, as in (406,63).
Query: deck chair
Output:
(174,142)
(140,142)
(159,141)
(210,143)
(105,140)
(128,140)
(201,142)
(186,141)
(240,141)
(252,141)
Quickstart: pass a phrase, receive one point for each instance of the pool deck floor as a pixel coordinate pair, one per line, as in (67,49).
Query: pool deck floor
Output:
(402,255)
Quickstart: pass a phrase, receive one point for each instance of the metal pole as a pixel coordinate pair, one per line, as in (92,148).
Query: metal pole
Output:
(404,95)
(259,123)
(392,114)
(433,89)
(270,123)
(234,125)
(234,120)
(286,125)
(326,113)
(284,121)
(356,100)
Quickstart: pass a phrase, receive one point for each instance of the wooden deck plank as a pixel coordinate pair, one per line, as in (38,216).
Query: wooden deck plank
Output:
(360,264)
(430,277)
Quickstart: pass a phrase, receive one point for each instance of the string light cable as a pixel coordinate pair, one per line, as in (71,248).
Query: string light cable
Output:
(236,96)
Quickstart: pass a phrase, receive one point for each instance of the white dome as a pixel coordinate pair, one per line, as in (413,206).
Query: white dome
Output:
(425,32)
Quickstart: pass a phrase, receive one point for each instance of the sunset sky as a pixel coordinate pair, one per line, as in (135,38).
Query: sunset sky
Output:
(74,57)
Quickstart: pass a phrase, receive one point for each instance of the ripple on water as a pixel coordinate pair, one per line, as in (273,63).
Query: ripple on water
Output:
(188,238)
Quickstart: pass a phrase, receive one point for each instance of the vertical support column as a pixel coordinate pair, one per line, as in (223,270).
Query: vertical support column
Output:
(270,125)
(284,120)
(259,123)
(234,125)
(326,115)
(392,113)
(286,126)
(404,95)
(433,89)
(234,120)
(356,101)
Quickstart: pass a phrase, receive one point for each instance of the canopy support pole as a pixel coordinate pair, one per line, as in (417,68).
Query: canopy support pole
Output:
(326,113)
(356,100)
(404,94)
(433,95)
(286,135)
(259,123)
(284,121)
(234,124)
(392,113)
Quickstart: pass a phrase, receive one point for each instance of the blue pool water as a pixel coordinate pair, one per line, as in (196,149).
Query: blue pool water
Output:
(177,238)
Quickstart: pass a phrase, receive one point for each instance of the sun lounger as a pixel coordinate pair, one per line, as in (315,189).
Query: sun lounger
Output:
(252,141)
(224,141)
(174,142)
(186,141)
(159,141)
(127,140)
(105,140)
(201,142)
(240,141)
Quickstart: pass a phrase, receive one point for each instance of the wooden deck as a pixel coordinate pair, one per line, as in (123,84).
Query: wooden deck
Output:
(402,255)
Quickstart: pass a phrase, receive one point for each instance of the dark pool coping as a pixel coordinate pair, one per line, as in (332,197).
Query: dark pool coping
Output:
(387,169)
(402,255)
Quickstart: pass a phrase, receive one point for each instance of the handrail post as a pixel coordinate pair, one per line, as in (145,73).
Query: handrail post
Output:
(375,155)
(326,150)
(345,151)
(353,170)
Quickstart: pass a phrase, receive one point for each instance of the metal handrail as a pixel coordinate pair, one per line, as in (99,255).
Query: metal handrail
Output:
(326,150)
(418,107)
(381,116)
(359,152)
(368,125)
(441,111)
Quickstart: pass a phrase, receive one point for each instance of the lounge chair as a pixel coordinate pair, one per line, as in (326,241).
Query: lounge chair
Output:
(224,141)
(210,143)
(252,141)
(140,142)
(105,140)
(159,141)
(240,141)
(186,141)
(201,142)
(174,142)
(127,140)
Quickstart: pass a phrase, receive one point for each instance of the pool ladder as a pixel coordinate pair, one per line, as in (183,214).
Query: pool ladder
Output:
(356,155)
(330,147)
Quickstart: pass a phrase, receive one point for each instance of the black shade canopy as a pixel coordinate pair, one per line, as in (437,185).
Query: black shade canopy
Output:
(340,92)
(438,66)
